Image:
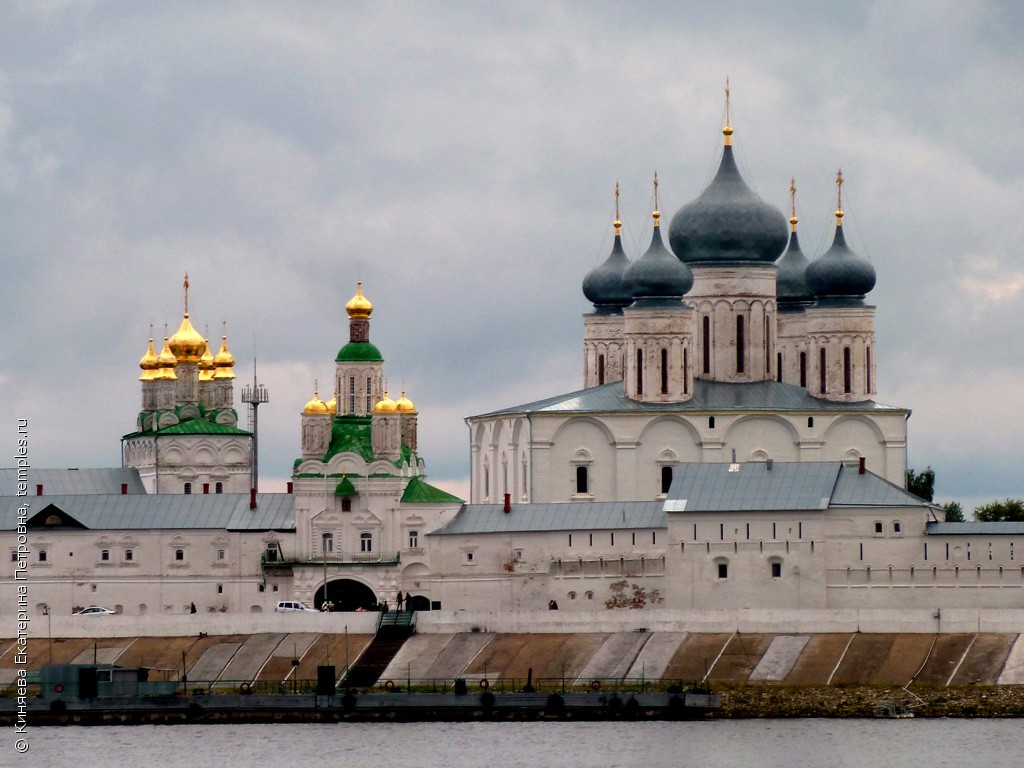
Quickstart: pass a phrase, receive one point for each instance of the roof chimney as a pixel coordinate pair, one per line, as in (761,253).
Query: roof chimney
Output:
(124,489)
(861,467)
(252,498)
(291,487)
(508,503)
(206,488)
(39,489)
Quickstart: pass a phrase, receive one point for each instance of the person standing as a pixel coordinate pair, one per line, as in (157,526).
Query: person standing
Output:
(399,598)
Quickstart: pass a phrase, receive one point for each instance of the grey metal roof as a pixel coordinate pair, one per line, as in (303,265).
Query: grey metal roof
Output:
(274,511)
(975,529)
(575,516)
(753,486)
(868,490)
(707,396)
(70,481)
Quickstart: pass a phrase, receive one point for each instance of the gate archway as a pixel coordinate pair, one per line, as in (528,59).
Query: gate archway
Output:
(346,594)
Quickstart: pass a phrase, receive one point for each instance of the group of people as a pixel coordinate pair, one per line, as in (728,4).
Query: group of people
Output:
(400,601)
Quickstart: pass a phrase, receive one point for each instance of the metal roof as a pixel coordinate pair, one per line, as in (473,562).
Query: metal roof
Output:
(575,516)
(73,481)
(230,511)
(707,396)
(710,487)
(1003,528)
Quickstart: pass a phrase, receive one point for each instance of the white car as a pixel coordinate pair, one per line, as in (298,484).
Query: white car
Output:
(291,606)
(95,610)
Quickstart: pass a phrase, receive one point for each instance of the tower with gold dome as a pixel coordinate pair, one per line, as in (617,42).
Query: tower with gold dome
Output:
(187,438)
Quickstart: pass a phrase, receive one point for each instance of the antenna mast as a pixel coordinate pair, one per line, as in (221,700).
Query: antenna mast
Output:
(255,395)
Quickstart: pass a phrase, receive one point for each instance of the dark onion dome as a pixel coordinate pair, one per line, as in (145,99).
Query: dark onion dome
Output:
(791,288)
(603,284)
(728,222)
(839,275)
(657,278)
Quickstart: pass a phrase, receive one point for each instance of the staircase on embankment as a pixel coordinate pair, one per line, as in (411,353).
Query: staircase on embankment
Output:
(394,629)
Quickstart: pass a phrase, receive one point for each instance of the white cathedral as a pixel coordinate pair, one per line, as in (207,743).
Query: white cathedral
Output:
(725,451)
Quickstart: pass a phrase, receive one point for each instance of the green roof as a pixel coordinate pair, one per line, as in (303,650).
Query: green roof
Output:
(345,488)
(361,351)
(194,427)
(351,434)
(421,492)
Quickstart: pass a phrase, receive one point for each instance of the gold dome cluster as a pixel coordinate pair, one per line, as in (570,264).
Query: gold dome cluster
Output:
(359,307)
(316,406)
(385,405)
(404,404)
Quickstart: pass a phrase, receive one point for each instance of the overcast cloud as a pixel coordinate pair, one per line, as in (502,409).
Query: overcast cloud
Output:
(460,159)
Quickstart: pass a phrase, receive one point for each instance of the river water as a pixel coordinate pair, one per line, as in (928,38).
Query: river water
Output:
(815,743)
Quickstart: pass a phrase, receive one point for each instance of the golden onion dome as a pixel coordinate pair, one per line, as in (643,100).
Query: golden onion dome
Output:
(206,364)
(149,363)
(385,405)
(359,307)
(224,358)
(186,344)
(404,404)
(332,405)
(316,406)
(167,361)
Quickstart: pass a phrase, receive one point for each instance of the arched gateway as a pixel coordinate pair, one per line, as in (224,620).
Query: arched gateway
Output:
(346,594)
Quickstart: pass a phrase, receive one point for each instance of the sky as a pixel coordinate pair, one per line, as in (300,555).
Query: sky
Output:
(460,159)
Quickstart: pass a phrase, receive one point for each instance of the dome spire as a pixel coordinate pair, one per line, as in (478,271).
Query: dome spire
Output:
(657,213)
(839,198)
(792,200)
(186,294)
(727,130)
(618,220)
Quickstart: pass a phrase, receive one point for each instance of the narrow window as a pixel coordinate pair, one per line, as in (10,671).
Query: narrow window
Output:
(773,532)
(639,372)
(847,373)
(613,538)
(926,550)
(654,537)
(582,481)
(721,531)
(767,348)
(800,530)
(570,539)
(590,536)
(369,395)
(220,589)
(776,570)
(748,531)
(351,394)
(366,542)
(867,370)
(810,422)
(634,538)
(878,526)
(129,555)
(666,479)
(947,551)
(778,367)
(740,345)
(803,370)
(823,372)
(723,570)
(664,371)
(105,555)
(711,422)
(862,550)
(686,371)
(897,527)
(188,489)
(346,504)
(1011,550)
(220,554)
(600,369)
(218,488)
(328,541)
(414,539)
(706,343)
(469,557)
(179,555)
(694,531)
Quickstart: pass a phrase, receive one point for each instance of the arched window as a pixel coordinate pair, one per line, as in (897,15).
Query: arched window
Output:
(778,366)
(740,345)
(847,373)
(328,543)
(188,489)
(218,488)
(810,422)
(582,479)
(803,370)
(369,395)
(351,394)
(711,422)
(639,372)
(600,369)
(686,371)
(666,478)
(706,343)
(867,370)
(823,371)
(664,371)
(366,542)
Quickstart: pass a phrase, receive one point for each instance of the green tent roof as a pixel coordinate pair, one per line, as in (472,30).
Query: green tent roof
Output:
(194,427)
(359,351)
(421,492)
(345,488)
(351,434)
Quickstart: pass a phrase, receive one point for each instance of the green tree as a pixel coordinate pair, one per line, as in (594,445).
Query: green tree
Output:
(921,484)
(954,512)
(1010,510)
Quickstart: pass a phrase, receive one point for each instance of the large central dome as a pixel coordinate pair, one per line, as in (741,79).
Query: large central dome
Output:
(728,222)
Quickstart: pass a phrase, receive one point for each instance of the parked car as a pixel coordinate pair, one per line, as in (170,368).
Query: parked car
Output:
(290,606)
(95,610)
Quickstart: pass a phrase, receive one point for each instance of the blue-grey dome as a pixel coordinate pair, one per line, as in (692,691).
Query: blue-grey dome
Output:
(728,222)
(791,288)
(603,285)
(657,278)
(839,274)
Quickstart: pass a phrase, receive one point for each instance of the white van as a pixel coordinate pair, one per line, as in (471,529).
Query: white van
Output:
(289,606)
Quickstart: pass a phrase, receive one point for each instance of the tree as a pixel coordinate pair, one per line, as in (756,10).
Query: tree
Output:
(954,512)
(921,484)
(1011,510)
(638,599)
